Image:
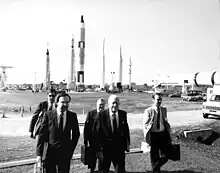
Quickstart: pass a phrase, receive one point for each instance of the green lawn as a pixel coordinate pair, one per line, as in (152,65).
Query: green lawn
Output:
(132,102)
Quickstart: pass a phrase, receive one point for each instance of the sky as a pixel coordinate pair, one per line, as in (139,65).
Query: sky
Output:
(165,37)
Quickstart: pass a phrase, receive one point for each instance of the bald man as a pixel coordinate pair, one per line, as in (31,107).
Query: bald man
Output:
(89,134)
(114,136)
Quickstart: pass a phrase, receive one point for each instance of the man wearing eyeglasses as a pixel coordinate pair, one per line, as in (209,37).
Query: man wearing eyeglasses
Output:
(41,108)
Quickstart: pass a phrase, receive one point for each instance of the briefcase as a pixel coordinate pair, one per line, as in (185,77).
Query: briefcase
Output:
(84,154)
(175,152)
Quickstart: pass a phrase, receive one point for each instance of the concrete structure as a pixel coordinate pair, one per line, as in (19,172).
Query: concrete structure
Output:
(47,80)
(102,86)
(80,72)
(198,134)
(72,73)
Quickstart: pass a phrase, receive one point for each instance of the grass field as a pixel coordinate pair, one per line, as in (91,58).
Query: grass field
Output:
(132,102)
(195,157)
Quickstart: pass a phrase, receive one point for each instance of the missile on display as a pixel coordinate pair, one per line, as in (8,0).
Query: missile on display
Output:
(72,76)
(80,72)
(47,80)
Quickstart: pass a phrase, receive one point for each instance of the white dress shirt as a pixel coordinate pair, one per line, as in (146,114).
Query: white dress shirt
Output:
(154,126)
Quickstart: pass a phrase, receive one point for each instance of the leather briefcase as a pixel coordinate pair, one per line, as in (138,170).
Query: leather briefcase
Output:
(175,152)
(84,154)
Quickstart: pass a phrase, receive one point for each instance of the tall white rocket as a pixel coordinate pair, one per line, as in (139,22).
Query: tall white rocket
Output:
(130,74)
(72,73)
(72,64)
(47,80)
(120,67)
(80,72)
(103,67)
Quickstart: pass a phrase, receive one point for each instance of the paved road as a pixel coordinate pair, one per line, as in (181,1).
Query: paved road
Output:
(15,125)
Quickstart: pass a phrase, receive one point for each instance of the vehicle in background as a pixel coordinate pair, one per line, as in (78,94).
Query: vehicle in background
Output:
(175,94)
(212,105)
(192,95)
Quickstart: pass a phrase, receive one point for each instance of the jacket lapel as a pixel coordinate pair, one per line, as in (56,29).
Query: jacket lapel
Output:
(66,120)
(54,117)
(109,125)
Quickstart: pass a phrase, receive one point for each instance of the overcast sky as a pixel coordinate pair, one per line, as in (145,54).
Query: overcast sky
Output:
(164,37)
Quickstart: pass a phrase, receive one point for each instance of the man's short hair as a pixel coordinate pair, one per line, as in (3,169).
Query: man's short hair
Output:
(51,91)
(100,100)
(156,93)
(63,94)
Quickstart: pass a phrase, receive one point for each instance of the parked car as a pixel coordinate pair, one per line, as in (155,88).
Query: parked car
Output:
(176,94)
(192,95)
(211,106)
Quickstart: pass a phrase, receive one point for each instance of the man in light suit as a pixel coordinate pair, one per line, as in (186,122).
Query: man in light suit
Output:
(114,136)
(156,123)
(41,108)
(89,134)
(60,130)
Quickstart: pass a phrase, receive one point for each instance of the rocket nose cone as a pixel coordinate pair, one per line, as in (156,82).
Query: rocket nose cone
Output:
(82,20)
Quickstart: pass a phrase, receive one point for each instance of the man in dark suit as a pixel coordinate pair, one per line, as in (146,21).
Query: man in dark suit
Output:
(41,108)
(89,134)
(60,129)
(114,136)
(156,123)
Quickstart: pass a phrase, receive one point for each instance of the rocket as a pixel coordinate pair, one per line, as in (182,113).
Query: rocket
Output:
(47,81)
(80,72)
(72,64)
(103,67)
(72,75)
(120,67)
(130,74)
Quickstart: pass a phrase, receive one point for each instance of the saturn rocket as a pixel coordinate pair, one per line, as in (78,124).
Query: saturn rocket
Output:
(72,75)
(80,72)
(47,80)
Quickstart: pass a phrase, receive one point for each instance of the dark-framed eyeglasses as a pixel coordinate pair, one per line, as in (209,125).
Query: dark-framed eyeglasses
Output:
(51,95)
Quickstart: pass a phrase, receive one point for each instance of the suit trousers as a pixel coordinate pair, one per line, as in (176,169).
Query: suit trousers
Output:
(92,159)
(160,149)
(114,153)
(56,164)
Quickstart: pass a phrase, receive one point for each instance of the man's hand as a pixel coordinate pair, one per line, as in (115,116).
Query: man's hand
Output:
(38,158)
(99,155)
(31,135)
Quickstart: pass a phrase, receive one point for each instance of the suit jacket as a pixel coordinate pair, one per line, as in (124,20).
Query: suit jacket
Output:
(65,141)
(41,107)
(89,132)
(149,114)
(122,134)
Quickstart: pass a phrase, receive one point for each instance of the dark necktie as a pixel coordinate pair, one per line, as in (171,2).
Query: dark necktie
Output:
(114,121)
(61,122)
(158,118)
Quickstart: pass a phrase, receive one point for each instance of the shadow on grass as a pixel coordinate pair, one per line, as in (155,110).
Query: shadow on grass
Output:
(214,136)
(180,171)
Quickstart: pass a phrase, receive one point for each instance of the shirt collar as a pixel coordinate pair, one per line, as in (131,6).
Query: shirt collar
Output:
(59,113)
(155,107)
(111,113)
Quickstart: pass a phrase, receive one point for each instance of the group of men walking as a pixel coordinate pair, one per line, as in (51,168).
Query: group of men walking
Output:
(106,133)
